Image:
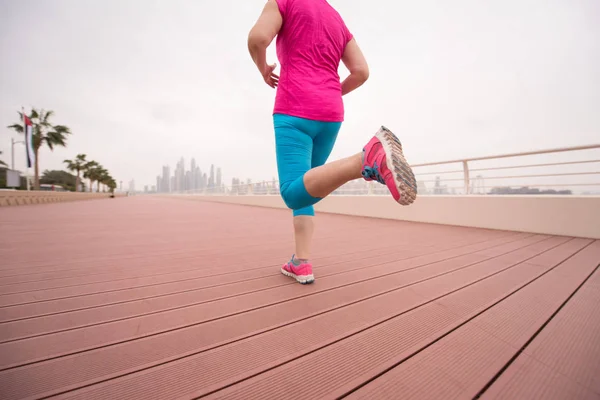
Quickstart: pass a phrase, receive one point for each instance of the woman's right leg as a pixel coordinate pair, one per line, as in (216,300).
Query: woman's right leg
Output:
(382,159)
(321,181)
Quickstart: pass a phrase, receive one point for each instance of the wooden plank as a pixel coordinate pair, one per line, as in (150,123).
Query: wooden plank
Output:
(79,289)
(379,308)
(116,228)
(461,364)
(87,338)
(217,274)
(563,360)
(70,320)
(240,249)
(347,364)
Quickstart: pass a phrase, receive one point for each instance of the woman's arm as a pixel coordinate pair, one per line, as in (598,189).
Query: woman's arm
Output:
(356,63)
(260,37)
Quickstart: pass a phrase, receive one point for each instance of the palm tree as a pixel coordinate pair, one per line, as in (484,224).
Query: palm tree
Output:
(78,165)
(102,177)
(43,132)
(106,180)
(112,185)
(89,172)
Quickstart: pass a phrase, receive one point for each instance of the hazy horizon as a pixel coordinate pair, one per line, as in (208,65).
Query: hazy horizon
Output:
(144,83)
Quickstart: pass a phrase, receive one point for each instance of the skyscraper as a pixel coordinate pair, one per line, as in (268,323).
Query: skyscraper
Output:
(211,178)
(198,179)
(166,180)
(180,176)
(193,175)
(188,180)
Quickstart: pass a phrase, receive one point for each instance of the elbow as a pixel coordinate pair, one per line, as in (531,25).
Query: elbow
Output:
(362,74)
(257,41)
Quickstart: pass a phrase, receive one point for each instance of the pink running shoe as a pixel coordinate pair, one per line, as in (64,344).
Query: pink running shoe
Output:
(302,273)
(384,162)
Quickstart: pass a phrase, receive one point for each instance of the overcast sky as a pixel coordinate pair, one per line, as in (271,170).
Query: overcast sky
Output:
(142,83)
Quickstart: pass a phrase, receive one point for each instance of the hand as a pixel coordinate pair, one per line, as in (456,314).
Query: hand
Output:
(269,76)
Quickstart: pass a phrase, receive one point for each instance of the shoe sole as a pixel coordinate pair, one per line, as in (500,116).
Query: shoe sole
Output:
(305,279)
(404,179)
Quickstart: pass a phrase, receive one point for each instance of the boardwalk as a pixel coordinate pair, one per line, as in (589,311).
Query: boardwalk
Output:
(157,298)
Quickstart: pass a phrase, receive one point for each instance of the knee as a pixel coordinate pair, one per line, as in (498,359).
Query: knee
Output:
(295,196)
(306,212)
(288,197)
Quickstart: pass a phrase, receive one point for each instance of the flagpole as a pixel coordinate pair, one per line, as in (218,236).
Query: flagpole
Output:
(26,149)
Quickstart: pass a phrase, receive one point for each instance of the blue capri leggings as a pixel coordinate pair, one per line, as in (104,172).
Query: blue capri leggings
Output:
(301,144)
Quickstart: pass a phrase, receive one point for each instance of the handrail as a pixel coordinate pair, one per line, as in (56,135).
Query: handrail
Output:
(527,176)
(528,153)
(511,167)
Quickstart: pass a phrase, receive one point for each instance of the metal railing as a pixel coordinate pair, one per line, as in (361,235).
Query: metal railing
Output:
(568,170)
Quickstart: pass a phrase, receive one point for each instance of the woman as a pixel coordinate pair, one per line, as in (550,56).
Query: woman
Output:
(312,39)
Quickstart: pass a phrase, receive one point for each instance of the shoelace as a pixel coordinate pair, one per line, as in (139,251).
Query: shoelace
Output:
(373,173)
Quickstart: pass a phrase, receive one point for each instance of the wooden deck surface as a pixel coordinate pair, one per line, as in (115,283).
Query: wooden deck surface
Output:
(158,298)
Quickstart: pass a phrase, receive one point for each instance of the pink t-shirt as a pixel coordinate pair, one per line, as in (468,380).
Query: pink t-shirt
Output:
(310,45)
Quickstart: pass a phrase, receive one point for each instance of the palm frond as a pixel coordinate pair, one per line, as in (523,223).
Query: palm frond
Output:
(47,116)
(71,166)
(49,143)
(62,129)
(17,127)
(55,138)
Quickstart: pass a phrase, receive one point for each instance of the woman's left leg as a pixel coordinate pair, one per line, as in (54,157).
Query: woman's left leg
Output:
(304,228)
(301,145)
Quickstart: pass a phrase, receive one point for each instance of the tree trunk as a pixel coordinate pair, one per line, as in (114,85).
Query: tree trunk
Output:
(77,182)
(36,181)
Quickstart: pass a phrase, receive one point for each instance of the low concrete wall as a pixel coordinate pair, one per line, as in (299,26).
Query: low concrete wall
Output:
(24,197)
(577,216)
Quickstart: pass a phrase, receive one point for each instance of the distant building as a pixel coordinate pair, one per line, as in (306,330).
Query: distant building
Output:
(193,171)
(165,187)
(527,190)
(211,177)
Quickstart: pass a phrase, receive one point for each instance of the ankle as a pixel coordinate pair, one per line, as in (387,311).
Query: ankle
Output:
(359,162)
(298,261)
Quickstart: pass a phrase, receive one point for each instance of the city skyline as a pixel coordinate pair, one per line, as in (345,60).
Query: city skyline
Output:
(191,179)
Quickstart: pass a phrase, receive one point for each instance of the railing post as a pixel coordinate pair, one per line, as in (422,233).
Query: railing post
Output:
(466,176)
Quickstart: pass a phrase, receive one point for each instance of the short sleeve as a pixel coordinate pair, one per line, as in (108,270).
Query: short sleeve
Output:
(347,34)
(282,4)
